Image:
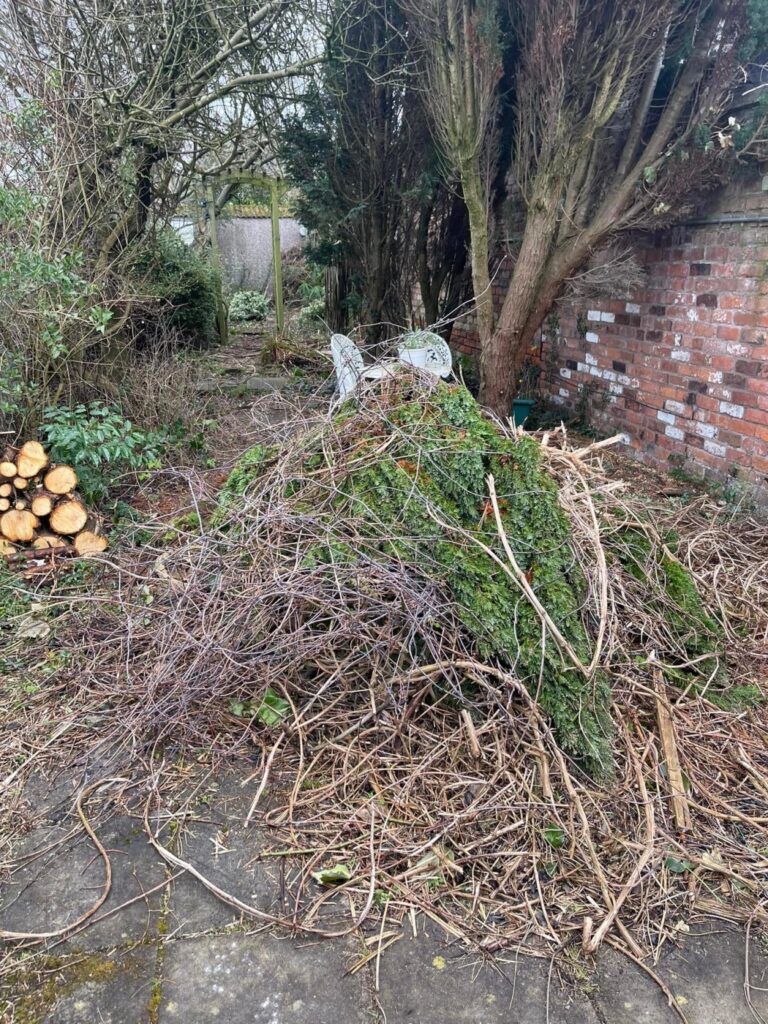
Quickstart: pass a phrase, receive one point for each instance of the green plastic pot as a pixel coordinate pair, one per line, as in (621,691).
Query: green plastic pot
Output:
(521,410)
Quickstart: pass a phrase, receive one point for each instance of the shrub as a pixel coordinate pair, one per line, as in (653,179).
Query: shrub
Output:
(313,314)
(248,306)
(184,282)
(50,314)
(99,444)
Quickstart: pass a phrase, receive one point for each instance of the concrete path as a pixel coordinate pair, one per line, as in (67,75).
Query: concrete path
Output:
(177,954)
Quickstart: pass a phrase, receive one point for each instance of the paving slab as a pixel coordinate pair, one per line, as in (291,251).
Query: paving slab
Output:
(215,840)
(705,974)
(87,989)
(429,980)
(54,889)
(260,979)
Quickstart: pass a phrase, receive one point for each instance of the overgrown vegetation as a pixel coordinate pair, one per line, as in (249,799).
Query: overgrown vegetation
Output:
(408,486)
(183,286)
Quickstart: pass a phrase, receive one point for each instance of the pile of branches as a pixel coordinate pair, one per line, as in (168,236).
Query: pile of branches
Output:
(600,778)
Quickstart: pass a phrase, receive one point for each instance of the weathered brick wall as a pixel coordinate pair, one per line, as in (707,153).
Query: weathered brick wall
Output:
(682,369)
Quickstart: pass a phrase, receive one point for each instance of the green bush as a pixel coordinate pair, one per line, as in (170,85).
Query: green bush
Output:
(312,314)
(100,445)
(184,281)
(50,314)
(248,306)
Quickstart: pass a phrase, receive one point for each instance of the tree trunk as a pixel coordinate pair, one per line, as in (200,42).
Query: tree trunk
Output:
(502,356)
(475,200)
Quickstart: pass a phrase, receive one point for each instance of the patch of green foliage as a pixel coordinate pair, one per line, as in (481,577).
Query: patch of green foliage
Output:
(678,603)
(100,444)
(50,308)
(184,281)
(248,306)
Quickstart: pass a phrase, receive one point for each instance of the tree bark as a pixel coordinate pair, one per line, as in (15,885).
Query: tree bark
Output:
(475,200)
(502,357)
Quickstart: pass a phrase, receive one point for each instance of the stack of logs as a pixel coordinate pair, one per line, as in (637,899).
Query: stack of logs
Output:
(39,506)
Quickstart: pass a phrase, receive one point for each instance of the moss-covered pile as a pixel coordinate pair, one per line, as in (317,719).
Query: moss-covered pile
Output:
(401,475)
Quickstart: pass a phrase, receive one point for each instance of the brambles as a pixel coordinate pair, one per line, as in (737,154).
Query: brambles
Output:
(344,616)
(400,482)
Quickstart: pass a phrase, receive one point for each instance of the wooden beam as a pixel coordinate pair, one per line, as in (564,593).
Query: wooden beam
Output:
(680,807)
(221,312)
(277,259)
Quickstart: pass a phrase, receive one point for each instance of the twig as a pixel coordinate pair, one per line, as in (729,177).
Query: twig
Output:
(67,929)
(264,778)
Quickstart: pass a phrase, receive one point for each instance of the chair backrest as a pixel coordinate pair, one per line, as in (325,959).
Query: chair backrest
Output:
(428,351)
(347,361)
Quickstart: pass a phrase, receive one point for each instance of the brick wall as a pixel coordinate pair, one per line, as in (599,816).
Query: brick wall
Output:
(682,369)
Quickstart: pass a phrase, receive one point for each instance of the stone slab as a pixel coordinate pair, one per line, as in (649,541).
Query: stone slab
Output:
(56,888)
(89,989)
(705,974)
(428,980)
(215,840)
(260,979)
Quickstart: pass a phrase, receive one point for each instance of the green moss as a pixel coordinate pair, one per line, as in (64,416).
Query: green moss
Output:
(412,480)
(247,469)
(678,601)
(52,978)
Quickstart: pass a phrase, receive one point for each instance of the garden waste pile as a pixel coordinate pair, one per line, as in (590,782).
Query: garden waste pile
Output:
(479,678)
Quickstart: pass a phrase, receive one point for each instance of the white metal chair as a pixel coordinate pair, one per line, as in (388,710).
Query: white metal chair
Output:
(347,362)
(427,351)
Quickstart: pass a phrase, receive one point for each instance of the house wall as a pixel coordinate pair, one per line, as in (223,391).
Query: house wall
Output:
(245,244)
(681,369)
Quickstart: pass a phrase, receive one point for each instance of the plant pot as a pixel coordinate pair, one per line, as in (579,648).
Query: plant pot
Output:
(521,410)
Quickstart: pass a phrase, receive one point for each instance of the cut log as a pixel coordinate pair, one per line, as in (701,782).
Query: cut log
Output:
(8,469)
(68,516)
(5,504)
(48,540)
(31,459)
(42,503)
(89,543)
(20,504)
(20,483)
(6,490)
(19,526)
(6,548)
(60,480)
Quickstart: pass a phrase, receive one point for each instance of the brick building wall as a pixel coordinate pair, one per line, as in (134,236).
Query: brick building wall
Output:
(681,369)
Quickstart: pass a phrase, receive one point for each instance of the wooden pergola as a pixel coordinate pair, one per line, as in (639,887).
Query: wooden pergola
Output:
(274,186)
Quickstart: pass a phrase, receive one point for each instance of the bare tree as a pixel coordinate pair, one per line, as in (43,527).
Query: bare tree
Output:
(607,101)
(611,116)
(132,97)
(459,50)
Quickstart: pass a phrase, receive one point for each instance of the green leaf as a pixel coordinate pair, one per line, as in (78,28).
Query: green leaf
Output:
(649,174)
(272,709)
(555,836)
(241,708)
(677,867)
(333,876)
